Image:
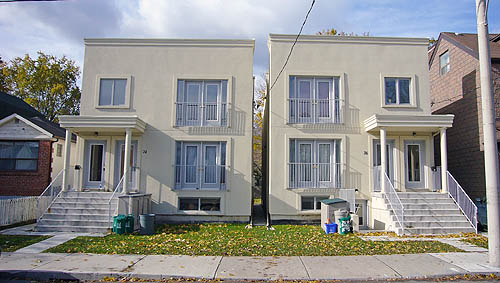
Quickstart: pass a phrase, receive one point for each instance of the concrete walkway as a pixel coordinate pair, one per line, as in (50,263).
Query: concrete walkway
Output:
(381,267)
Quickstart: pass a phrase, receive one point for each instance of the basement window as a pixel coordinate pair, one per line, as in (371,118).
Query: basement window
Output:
(199,204)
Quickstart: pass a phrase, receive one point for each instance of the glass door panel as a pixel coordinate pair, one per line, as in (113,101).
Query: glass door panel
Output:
(192,105)
(210,167)
(191,174)
(414,164)
(323,106)
(211,102)
(325,165)
(95,152)
(304,166)
(304,100)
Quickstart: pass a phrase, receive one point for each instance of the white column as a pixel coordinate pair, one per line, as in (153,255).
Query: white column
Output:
(67,153)
(126,167)
(444,161)
(383,157)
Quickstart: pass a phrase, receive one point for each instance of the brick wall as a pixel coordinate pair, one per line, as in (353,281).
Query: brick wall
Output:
(29,183)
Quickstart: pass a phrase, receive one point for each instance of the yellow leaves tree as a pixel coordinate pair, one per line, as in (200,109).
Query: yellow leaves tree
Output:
(47,83)
(258,124)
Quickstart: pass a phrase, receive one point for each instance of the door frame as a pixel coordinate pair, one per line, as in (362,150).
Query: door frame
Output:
(391,142)
(86,176)
(422,160)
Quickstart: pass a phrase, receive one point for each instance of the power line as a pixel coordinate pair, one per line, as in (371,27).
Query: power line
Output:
(293,45)
(13,1)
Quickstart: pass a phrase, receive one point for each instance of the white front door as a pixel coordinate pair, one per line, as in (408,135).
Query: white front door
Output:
(120,163)
(414,164)
(95,153)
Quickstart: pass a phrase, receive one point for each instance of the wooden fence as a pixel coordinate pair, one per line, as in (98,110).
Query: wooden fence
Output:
(20,209)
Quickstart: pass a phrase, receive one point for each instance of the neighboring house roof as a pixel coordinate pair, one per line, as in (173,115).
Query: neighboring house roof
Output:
(10,105)
(467,42)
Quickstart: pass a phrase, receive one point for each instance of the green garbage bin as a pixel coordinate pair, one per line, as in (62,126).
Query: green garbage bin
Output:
(345,225)
(119,224)
(129,224)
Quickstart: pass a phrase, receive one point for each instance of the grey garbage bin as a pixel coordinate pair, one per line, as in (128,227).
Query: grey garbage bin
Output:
(147,224)
(341,213)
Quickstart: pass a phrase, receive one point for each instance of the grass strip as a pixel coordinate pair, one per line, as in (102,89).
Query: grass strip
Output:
(10,243)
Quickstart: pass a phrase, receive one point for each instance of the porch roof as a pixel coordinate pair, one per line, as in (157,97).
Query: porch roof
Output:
(425,123)
(103,123)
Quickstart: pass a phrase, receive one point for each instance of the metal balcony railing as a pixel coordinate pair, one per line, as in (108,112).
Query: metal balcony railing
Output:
(316,111)
(314,175)
(204,176)
(201,114)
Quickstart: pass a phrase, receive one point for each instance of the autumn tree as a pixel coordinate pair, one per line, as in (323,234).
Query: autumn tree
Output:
(333,31)
(258,105)
(3,83)
(47,83)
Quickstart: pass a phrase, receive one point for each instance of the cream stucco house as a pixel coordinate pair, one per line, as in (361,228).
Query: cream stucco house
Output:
(175,116)
(344,113)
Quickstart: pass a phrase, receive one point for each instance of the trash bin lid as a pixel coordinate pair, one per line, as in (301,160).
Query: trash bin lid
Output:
(333,201)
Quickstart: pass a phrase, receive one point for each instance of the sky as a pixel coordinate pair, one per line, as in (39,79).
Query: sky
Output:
(58,28)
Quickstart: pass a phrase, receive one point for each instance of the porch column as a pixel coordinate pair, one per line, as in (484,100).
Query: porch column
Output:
(444,161)
(126,167)
(383,157)
(67,153)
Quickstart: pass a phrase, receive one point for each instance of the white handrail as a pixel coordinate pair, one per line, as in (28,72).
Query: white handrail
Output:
(111,198)
(464,202)
(51,187)
(395,202)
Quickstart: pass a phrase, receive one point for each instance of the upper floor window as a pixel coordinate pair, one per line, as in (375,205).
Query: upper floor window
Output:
(315,164)
(397,91)
(315,100)
(200,165)
(444,63)
(113,92)
(201,103)
(19,155)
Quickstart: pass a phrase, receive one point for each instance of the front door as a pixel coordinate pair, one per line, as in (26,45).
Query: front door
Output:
(120,164)
(414,164)
(95,153)
(377,161)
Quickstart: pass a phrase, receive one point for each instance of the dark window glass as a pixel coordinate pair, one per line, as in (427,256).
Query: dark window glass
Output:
(390,91)
(307,203)
(210,204)
(188,204)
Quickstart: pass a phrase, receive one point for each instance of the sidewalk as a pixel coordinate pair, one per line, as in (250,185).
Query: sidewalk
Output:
(382,267)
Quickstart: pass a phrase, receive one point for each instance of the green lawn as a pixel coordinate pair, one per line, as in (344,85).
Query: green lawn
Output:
(235,240)
(478,240)
(10,243)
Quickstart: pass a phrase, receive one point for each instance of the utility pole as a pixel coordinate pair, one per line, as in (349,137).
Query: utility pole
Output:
(489,134)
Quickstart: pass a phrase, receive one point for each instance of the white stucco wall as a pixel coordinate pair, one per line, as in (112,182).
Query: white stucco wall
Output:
(154,66)
(360,63)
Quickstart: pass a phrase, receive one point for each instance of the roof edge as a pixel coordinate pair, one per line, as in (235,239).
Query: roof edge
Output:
(350,39)
(169,42)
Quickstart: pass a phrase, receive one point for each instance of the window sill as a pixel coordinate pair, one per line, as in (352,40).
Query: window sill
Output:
(112,107)
(407,106)
(310,212)
(313,190)
(199,212)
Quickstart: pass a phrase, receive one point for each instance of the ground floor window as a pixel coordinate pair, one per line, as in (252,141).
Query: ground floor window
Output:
(312,202)
(200,165)
(199,204)
(314,164)
(19,155)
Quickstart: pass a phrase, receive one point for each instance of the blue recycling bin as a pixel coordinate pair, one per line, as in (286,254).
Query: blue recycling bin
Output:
(331,228)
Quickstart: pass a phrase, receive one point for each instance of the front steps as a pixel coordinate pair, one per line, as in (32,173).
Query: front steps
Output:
(86,212)
(431,213)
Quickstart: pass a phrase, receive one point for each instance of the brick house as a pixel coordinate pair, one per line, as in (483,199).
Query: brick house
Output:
(30,148)
(455,89)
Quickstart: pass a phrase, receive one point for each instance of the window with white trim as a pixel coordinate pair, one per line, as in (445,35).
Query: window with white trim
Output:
(199,204)
(444,63)
(397,91)
(315,164)
(19,155)
(311,203)
(112,92)
(200,165)
(314,100)
(201,103)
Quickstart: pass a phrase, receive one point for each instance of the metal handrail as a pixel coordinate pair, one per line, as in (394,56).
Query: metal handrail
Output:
(316,111)
(395,202)
(462,202)
(38,216)
(111,198)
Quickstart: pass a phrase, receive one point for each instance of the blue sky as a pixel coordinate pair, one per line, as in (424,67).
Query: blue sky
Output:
(59,27)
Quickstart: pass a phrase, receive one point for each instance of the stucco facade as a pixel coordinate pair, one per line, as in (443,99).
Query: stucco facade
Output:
(357,68)
(153,71)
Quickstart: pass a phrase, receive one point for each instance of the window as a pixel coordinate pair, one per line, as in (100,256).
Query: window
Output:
(314,100)
(199,204)
(314,164)
(58,150)
(113,92)
(312,203)
(397,91)
(201,103)
(444,63)
(360,211)
(19,155)
(200,165)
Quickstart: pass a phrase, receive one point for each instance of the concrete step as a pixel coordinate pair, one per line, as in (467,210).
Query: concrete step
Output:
(435,230)
(436,224)
(86,200)
(83,229)
(82,205)
(95,211)
(105,195)
(65,222)
(430,195)
(427,201)
(89,217)
(433,212)
(417,218)
(430,206)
